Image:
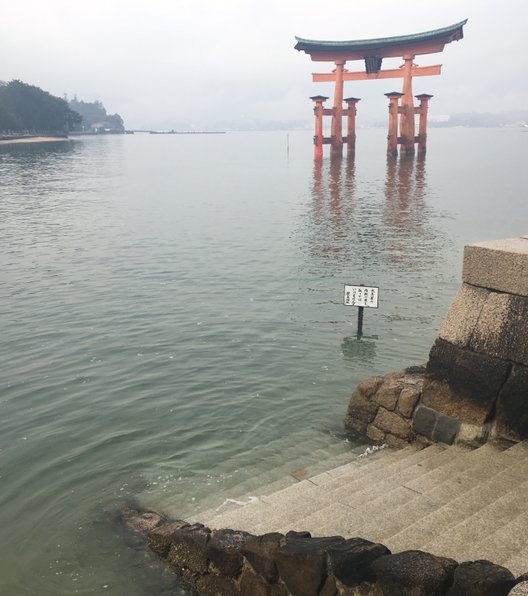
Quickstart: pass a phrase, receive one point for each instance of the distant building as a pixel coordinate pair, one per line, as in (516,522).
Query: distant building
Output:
(95,118)
(105,128)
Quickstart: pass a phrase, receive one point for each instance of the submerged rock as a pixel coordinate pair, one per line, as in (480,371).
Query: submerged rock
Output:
(140,522)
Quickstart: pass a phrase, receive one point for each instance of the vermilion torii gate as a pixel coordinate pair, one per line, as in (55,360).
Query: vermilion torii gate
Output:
(372,51)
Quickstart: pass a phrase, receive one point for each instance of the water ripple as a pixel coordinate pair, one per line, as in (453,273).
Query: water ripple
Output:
(173,327)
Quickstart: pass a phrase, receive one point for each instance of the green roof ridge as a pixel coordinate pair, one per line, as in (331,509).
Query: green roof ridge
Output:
(380,41)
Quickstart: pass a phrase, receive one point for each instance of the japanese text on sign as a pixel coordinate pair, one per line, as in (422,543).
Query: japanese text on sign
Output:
(361,296)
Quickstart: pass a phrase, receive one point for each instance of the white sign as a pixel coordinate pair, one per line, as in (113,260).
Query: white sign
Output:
(361,296)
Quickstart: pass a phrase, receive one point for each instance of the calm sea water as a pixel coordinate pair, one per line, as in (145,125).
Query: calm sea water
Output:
(172,322)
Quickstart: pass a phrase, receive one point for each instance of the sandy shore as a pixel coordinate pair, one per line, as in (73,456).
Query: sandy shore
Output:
(32,140)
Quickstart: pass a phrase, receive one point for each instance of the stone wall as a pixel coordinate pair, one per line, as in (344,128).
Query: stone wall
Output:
(475,383)
(388,410)
(233,563)
(382,408)
(477,371)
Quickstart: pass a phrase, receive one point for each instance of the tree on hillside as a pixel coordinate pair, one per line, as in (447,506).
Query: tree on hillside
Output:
(94,116)
(27,108)
(8,120)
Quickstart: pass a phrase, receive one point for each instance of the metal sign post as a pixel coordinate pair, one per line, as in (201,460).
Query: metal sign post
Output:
(360,321)
(362,297)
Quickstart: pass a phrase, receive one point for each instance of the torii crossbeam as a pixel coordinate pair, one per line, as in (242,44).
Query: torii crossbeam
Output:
(372,51)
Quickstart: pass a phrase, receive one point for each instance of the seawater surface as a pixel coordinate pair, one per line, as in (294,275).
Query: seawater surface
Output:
(172,321)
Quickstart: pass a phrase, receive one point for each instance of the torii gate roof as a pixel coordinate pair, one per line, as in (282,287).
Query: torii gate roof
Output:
(428,42)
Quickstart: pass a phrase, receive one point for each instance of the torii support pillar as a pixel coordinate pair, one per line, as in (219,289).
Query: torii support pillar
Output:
(422,109)
(392,135)
(318,134)
(407,107)
(351,124)
(337,114)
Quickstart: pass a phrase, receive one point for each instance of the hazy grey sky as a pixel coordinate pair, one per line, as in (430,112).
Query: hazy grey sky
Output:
(166,62)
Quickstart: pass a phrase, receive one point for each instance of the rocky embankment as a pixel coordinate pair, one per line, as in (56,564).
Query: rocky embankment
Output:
(475,383)
(382,407)
(234,563)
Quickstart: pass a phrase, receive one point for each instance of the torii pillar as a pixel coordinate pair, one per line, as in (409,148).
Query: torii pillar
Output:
(407,107)
(422,109)
(351,112)
(318,134)
(337,115)
(392,135)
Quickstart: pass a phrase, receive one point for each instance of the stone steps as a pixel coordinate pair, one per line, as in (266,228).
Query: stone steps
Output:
(357,466)
(277,461)
(479,527)
(233,497)
(292,505)
(349,507)
(456,509)
(450,501)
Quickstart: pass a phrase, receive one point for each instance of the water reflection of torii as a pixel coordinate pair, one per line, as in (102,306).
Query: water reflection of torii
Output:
(405,186)
(344,221)
(405,214)
(333,207)
(337,186)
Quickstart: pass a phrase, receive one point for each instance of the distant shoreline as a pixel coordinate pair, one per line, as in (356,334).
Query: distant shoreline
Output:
(17,140)
(185,132)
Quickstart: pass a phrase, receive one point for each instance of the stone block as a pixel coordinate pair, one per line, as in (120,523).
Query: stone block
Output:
(160,538)
(472,435)
(463,314)
(213,585)
(388,393)
(446,429)
(461,383)
(498,265)
(297,534)
(329,587)
(375,434)
(302,564)
(407,401)
(501,330)
(512,406)
(370,386)
(481,578)
(350,561)
(140,522)
(396,442)
(412,371)
(252,584)
(392,423)
(188,548)
(361,407)
(260,553)
(393,375)
(492,324)
(413,572)
(224,551)
(355,425)
(424,421)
